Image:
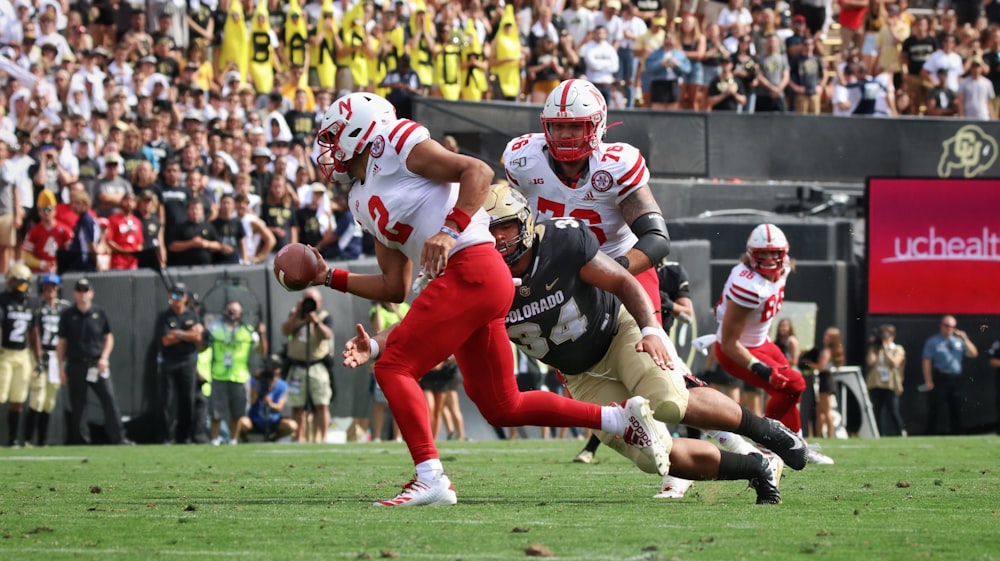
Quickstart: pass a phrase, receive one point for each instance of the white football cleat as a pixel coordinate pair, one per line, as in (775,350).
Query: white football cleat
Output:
(673,488)
(642,430)
(814,456)
(439,492)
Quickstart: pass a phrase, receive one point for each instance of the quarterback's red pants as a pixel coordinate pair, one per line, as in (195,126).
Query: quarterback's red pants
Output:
(782,404)
(462,313)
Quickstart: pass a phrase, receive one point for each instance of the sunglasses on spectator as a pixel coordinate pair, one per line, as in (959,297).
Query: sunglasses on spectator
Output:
(45,209)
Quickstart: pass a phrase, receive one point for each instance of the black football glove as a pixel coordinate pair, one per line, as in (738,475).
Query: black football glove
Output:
(762,370)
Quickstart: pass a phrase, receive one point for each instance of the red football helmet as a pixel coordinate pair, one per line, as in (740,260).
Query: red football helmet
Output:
(347,128)
(767,248)
(575,101)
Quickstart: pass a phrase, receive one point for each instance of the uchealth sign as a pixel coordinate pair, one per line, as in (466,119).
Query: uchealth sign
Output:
(933,246)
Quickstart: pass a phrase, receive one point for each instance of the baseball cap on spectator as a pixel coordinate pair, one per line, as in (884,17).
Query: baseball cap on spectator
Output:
(257,130)
(798,18)
(51,278)
(263,152)
(613,4)
(101,51)
(112,158)
(318,188)
(47,45)
(178,289)
(194,115)
(233,75)
(147,195)
(82,285)
(892,9)
(147,60)
(659,20)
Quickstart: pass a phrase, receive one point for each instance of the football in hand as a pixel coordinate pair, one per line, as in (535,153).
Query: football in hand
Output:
(295,266)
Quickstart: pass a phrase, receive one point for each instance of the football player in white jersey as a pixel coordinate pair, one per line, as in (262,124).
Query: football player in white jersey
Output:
(422,204)
(568,170)
(751,298)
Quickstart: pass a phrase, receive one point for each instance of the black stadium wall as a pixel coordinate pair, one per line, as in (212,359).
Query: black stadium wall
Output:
(760,146)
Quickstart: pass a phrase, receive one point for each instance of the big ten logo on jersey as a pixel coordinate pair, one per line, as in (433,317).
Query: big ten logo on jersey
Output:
(588,215)
(772,305)
(398,232)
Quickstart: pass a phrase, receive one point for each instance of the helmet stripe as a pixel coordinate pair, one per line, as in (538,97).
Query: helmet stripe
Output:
(565,95)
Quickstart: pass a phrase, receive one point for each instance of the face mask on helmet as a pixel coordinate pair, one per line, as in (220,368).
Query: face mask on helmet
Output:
(767,248)
(349,125)
(18,279)
(574,119)
(506,205)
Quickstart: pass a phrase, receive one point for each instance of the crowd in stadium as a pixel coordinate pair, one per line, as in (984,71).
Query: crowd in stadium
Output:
(153,104)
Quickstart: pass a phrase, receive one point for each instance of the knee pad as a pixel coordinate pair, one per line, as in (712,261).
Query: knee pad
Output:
(668,412)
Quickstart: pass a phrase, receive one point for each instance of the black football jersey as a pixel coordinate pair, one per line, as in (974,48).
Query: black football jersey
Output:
(49,322)
(17,318)
(556,317)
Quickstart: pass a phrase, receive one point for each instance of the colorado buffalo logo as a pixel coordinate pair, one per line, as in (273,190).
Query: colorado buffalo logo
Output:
(970,152)
(378,146)
(602,181)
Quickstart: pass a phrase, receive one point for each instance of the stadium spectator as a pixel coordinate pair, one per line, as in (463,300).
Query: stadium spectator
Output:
(886,360)
(975,94)
(231,233)
(941,363)
(194,241)
(829,360)
(83,248)
(941,101)
(45,239)
(278,212)
(125,235)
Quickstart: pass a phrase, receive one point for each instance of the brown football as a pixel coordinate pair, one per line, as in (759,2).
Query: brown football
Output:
(295,266)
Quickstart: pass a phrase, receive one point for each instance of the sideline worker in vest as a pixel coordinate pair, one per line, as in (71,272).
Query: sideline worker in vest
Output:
(231,341)
(310,336)
(84,351)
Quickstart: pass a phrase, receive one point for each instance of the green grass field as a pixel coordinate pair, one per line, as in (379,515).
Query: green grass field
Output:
(916,498)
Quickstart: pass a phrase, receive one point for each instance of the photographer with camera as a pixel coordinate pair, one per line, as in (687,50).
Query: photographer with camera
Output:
(231,341)
(267,399)
(310,337)
(885,360)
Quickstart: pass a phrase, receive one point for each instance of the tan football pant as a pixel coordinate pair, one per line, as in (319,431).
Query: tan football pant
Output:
(624,373)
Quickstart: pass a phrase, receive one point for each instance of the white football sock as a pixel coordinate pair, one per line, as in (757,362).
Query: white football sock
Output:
(613,419)
(731,442)
(430,470)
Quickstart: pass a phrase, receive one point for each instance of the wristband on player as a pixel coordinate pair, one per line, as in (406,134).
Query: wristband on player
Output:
(450,232)
(337,279)
(459,217)
(658,331)
(375,350)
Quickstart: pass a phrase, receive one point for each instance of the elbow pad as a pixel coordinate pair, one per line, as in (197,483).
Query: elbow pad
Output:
(654,241)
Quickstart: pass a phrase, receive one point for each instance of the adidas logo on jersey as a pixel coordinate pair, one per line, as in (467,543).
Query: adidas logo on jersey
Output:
(589,196)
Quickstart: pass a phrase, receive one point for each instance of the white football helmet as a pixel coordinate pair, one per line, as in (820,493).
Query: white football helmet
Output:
(506,204)
(575,101)
(764,240)
(347,128)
